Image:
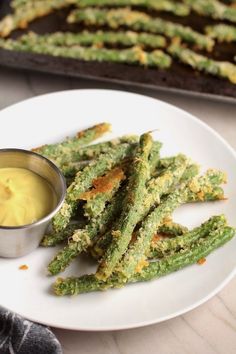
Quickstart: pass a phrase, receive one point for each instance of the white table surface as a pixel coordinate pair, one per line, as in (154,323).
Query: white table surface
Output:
(211,328)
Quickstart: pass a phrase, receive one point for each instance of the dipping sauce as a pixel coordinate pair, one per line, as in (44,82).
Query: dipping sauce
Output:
(25,197)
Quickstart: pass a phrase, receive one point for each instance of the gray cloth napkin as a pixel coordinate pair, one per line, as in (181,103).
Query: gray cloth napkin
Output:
(20,336)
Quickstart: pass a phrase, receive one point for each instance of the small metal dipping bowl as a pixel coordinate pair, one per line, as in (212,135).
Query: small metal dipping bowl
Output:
(21,240)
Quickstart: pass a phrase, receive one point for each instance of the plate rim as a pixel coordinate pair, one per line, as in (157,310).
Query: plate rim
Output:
(191,117)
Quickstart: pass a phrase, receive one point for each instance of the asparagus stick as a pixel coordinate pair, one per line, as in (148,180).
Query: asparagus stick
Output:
(202,63)
(132,208)
(139,21)
(84,179)
(135,55)
(82,138)
(104,189)
(222,32)
(98,38)
(83,238)
(202,248)
(178,9)
(213,8)
(164,247)
(122,233)
(27,13)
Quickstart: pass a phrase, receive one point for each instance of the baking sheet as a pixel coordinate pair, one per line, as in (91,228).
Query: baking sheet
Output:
(178,77)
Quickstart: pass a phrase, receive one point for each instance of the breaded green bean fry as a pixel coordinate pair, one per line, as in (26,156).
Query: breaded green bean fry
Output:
(104,189)
(200,62)
(81,239)
(53,239)
(222,32)
(156,187)
(132,207)
(202,248)
(177,8)
(139,21)
(84,180)
(82,138)
(99,38)
(167,246)
(213,8)
(134,55)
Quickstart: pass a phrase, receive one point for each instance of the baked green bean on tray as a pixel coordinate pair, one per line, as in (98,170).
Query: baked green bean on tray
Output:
(139,21)
(134,55)
(213,8)
(177,8)
(201,62)
(222,32)
(98,38)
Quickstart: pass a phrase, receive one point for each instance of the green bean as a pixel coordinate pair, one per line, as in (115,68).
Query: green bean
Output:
(213,8)
(222,32)
(70,169)
(105,189)
(137,251)
(200,189)
(99,38)
(200,249)
(169,228)
(172,228)
(53,239)
(134,55)
(139,21)
(83,238)
(154,156)
(84,179)
(122,234)
(178,9)
(68,160)
(132,207)
(82,138)
(200,62)
(27,13)
(156,187)
(164,247)
(206,187)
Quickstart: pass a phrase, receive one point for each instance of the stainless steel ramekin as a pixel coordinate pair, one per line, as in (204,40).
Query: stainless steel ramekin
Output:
(20,240)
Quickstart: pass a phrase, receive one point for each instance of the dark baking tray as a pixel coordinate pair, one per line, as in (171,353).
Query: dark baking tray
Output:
(179,77)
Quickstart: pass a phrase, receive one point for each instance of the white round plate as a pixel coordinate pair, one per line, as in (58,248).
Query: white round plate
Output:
(51,117)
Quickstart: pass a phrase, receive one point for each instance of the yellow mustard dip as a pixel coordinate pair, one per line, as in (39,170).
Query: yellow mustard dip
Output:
(25,197)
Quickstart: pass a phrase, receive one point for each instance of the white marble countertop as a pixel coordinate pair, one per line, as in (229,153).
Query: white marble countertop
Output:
(211,328)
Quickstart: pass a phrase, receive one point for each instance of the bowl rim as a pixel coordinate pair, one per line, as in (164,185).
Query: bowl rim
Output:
(62,196)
